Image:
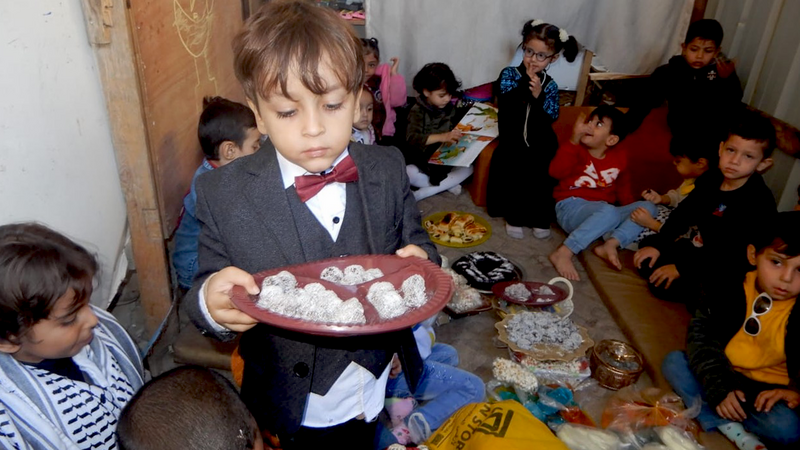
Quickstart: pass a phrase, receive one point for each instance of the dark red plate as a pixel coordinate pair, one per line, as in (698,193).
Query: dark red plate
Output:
(438,284)
(499,291)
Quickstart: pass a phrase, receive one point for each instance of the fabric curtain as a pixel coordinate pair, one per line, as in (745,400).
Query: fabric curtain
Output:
(477,38)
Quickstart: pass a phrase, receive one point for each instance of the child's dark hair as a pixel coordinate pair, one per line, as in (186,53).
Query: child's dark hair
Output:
(187,408)
(371,47)
(753,126)
(37,267)
(783,236)
(705,29)
(296,37)
(694,149)
(617,118)
(551,36)
(223,120)
(435,76)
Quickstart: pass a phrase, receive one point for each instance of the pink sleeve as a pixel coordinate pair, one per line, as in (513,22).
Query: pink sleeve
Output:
(397,91)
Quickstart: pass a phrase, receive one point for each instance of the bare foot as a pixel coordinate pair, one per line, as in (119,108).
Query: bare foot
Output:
(608,253)
(562,261)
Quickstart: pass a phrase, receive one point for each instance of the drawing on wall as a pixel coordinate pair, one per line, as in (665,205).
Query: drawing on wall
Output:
(194,29)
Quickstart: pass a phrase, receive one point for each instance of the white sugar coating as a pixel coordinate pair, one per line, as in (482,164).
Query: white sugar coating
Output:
(353,274)
(414,291)
(527,329)
(388,302)
(545,290)
(280,294)
(350,312)
(284,279)
(382,286)
(517,291)
(372,274)
(332,274)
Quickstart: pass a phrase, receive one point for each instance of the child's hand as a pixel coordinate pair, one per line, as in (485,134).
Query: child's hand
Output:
(452,136)
(730,408)
(641,216)
(396,369)
(652,196)
(643,253)
(395,64)
(579,129)
(667,273)
(725,67)
(535,86)
(412,250)
(767,399)
(218,298)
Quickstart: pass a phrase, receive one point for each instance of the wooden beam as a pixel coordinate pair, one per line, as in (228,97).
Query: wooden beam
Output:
(699,10)
(118,74)
(583,78)
(99,20)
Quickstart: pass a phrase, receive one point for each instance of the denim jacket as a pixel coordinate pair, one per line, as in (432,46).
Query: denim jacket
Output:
(184,256)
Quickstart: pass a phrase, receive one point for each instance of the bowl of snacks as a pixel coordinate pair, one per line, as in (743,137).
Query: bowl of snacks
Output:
(615,364)
(544,336)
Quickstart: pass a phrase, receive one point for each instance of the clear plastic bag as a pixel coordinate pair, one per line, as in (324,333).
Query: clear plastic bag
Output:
(630,411)
(579,437)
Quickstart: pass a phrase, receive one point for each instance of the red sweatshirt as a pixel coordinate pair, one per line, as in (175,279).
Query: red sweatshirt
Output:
(581,175)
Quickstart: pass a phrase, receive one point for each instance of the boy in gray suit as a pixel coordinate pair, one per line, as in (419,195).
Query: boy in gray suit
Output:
(302,71)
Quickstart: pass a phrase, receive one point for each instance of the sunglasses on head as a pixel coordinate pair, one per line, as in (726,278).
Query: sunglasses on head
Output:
(761,305)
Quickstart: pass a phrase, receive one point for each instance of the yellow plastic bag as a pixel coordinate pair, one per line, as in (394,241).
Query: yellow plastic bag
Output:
(503,425)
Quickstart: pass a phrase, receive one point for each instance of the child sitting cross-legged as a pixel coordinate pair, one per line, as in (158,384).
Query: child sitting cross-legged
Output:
(227,131)
(743,353)
(309,194)
(431,122)
(592,177)
(188,408)
(729,205)
(67,368)
(691,159)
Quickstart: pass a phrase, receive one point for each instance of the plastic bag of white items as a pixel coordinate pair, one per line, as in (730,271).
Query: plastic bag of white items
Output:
(676,439)
(579,437)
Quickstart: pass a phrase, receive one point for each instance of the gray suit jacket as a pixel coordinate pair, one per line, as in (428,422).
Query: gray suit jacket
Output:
(246,221)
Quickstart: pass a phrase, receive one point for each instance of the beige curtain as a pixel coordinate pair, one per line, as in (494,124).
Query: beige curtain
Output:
(477,38)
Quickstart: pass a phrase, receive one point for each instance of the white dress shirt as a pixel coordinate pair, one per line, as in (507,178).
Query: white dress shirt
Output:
(356,392)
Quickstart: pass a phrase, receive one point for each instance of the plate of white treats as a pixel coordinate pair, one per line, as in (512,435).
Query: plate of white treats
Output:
(352,295)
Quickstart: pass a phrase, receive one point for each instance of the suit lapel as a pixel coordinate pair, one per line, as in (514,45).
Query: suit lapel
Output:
(265,188)
(372,193)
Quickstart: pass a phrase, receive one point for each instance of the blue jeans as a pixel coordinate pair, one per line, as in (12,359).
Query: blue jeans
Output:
(780,426)
(443,388)
(586,221)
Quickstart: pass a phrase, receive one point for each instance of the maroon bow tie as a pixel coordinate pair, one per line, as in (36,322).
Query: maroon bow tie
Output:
(308,186)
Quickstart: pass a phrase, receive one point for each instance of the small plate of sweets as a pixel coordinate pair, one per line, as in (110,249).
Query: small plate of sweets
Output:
(532,293)
(347,296)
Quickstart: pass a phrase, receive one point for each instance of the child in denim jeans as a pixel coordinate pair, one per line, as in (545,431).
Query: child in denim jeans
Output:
(443,389)
(742,359)
(593,176)
(227,131)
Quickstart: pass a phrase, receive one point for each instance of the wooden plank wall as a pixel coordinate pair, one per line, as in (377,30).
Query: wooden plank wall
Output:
(183,51)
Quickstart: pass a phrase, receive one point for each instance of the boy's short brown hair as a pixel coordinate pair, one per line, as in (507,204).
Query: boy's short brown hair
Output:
(37,267)
(287,35)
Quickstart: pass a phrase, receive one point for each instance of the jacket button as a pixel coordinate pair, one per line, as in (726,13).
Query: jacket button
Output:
(301,370)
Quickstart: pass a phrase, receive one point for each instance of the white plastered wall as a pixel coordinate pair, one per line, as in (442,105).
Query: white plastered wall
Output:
(57,161)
